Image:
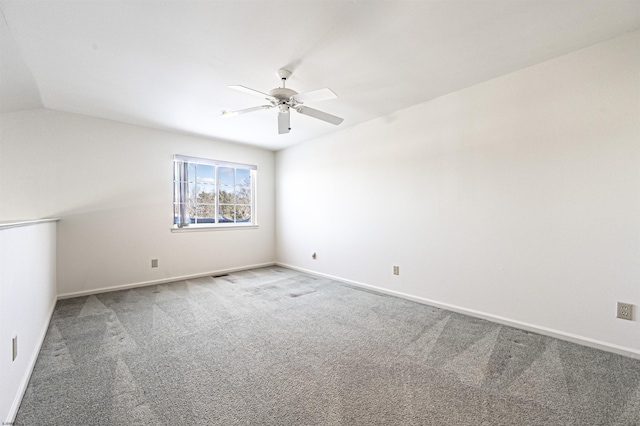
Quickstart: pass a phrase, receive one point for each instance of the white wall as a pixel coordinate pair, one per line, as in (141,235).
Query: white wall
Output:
(518,198)
(111,186)
(27,298)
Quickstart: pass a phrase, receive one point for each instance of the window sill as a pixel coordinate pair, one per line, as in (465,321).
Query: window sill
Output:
(200,228)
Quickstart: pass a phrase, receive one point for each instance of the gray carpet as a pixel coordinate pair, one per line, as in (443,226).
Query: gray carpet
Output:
(273,346)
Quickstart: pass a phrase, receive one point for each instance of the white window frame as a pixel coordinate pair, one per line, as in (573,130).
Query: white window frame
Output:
(181,189)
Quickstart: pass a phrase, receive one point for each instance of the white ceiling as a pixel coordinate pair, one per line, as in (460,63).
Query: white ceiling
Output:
(167,64)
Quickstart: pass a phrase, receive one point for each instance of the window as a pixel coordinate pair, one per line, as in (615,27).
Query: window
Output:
(208,193)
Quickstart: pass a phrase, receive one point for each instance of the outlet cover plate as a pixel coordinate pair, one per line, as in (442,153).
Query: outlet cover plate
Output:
(625,311)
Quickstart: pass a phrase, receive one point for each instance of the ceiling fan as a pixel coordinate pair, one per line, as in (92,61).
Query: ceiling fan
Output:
(286,99)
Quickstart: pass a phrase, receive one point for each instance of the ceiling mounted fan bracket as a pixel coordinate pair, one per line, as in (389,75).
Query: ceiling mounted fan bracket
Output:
(284,73)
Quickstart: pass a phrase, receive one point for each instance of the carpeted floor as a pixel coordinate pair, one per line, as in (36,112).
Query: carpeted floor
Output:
(273,346)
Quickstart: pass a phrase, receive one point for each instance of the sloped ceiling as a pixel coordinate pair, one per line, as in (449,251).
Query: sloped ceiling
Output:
(18,88)
(167,64)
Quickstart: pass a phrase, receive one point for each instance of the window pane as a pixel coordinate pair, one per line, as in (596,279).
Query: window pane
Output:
(226,214)
(206,173)
(192,172)
(243,195)
(206,193)
(243,213)
(226,176)
(206,213)
(243,177)
(191,212)
(191,193)
(226,195)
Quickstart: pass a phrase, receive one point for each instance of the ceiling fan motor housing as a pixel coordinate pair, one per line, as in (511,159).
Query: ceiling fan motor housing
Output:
(282,93)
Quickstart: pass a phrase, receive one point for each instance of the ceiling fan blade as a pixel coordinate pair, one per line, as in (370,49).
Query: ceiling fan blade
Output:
(252,92)
(284,122)
(226,113)
(315,96)
(319,115)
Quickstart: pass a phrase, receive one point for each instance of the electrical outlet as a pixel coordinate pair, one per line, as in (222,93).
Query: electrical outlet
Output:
(396,270)
(14,348)
(154,263)
(625,311)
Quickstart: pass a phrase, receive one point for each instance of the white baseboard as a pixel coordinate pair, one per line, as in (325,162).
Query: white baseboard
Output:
(160,281)
(17,400)
(573,338)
